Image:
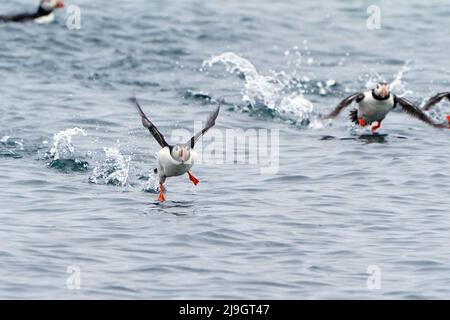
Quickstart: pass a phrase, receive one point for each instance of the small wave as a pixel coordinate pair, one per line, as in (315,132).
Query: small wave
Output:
(11,142)
(10,147)
(67,165)
(113,170)
(274,92)
(199,96)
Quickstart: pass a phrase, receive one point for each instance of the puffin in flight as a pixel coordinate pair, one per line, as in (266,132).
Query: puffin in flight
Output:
(43,14)
(174,160)
(374,105)
(436,99)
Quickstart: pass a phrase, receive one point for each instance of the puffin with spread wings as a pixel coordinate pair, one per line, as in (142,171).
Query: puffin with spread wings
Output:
(374,105)
(174,160)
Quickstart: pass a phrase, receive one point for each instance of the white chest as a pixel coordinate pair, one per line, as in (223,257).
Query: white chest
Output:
(375,110)
(169,167)
(45,19)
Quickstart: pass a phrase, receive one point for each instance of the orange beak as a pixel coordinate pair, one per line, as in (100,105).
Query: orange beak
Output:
(384,91)
(59,4)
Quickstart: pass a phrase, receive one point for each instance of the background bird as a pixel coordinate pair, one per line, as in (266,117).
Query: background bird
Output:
(43,14)
(374,105)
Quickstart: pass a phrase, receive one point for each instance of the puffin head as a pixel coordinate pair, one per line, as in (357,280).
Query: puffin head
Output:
(50,5)
(181,152)
(382,90)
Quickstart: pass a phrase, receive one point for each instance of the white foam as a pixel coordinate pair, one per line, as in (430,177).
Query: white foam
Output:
(267,90)
(113,170)
(152,184)
(398,85)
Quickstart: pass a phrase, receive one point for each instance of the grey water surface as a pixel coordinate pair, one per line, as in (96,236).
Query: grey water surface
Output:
(76,184)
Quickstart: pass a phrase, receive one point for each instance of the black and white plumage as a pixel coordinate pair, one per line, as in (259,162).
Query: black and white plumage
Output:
(175,160)
(374,105)
(44,13)
(435,100)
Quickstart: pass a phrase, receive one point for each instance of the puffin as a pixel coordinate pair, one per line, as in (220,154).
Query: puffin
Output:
(375,104)
(43,14)
(436,99)
(174,160)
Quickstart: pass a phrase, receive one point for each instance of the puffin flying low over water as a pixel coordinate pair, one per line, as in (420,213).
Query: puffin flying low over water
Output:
(178,159)
(374,105)
(44,13)
(436,99)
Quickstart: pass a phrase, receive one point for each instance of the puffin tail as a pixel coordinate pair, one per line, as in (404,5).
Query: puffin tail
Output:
(354,116)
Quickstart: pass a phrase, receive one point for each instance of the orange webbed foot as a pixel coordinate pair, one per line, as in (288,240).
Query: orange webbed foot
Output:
(375,126)
(192,178)
(362,122)
(161,197)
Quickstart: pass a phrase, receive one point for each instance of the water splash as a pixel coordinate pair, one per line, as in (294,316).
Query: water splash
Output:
(398,85)
(11,142)
(152,183)
(257,88)
(274,92)
(62,143)
(113,170)
(62,154)
(4,140)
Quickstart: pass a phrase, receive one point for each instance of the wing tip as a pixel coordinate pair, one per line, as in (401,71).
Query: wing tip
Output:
(213,116)
(436,99)
(134,100)
(137,105)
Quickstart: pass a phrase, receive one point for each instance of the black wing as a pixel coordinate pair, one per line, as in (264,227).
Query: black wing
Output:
(149,125)
(435,99)
(18,17)
(414,111)
(209,124)
(345,103)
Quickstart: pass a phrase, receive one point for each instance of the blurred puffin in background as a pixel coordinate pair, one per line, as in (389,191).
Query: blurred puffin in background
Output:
(374,105)
(44,13)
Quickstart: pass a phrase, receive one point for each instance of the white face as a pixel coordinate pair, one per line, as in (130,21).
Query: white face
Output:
(382,90)
(181,153)
(50,5)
